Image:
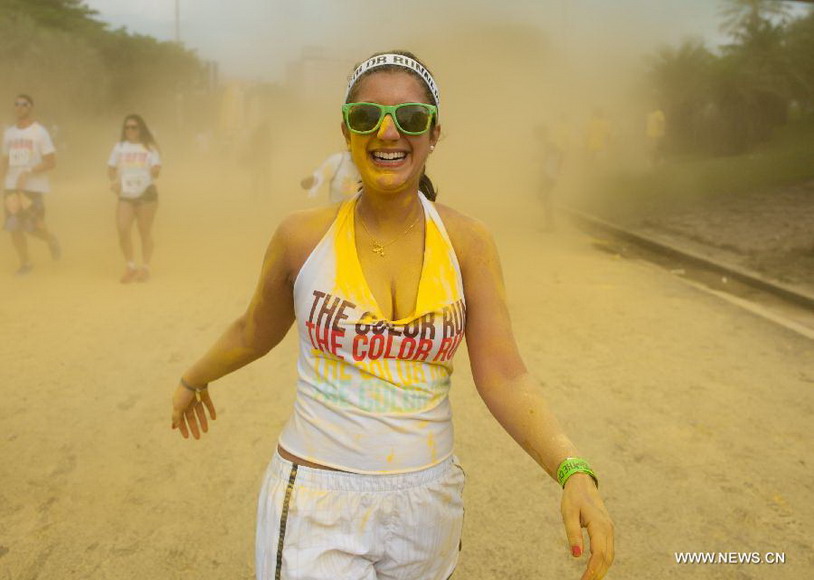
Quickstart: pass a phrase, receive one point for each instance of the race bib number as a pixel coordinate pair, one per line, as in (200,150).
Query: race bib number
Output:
(134,185)
(18,157)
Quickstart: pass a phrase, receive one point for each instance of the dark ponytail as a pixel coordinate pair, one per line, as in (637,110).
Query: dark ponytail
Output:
(426,187)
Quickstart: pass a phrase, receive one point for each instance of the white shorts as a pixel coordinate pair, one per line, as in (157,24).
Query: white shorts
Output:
(317,524)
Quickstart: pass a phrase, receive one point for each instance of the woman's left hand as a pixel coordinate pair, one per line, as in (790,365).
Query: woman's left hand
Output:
(583,508)
(188,411)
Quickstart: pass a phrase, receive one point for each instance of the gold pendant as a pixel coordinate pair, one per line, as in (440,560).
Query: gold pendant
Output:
(378,249)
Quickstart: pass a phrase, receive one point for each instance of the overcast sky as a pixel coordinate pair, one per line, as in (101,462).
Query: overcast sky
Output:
(255,38)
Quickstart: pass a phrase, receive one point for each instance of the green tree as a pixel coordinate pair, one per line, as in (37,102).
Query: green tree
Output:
(681,79)
(65,15)
(728,103)
(800,56)
(56,67)
(59,47)
(740,16)
(757,70)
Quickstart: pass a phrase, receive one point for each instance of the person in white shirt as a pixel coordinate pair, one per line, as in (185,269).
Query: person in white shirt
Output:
(133,166)
(28,154)
(340,172)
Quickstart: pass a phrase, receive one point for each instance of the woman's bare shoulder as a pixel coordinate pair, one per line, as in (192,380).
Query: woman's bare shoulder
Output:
(301,231)
(308,223)
(467,234)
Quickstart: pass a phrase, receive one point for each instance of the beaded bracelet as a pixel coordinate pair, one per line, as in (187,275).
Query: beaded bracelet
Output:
(196,390)
(572,465)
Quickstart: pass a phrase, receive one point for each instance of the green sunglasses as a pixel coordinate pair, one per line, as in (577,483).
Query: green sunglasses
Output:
(410,118)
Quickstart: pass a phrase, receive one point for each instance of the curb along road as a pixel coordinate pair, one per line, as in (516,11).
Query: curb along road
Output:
(789,293)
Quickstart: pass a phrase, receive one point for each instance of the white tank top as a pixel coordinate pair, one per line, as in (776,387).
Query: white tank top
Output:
(372,393)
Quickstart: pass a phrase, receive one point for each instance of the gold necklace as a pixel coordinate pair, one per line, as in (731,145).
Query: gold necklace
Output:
(377,246)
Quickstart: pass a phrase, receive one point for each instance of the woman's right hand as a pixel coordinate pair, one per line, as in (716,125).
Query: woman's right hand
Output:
(116,186)
(189,411)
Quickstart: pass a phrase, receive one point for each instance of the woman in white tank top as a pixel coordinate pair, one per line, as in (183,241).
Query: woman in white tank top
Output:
(382,289)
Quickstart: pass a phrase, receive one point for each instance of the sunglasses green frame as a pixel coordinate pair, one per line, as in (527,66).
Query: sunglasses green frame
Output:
(391,110)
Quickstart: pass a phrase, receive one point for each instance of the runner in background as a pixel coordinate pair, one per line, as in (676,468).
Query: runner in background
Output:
(133,166)
(598,135)
(654,131)
(28,153)
(340,172)
(552,160)
(255,157)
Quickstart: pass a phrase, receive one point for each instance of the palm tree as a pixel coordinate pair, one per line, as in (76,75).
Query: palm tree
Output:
(740,16)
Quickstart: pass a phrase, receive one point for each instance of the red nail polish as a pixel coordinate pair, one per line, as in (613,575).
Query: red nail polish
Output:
(576,551)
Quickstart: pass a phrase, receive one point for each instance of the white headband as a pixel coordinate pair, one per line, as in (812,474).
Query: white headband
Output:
(398,60)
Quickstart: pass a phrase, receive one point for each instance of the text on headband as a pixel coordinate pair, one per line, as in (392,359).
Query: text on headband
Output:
(397,60)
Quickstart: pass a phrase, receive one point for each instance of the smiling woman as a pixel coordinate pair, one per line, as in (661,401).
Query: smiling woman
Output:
(420,116)
(364,483)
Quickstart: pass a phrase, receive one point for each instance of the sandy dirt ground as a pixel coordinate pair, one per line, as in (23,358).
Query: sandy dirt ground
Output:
(695,414)
(765,231)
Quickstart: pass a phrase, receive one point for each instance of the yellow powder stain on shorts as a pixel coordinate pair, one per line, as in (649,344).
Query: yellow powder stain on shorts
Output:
(365,518)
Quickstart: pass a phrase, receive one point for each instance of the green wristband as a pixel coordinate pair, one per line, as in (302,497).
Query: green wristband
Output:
(572,465)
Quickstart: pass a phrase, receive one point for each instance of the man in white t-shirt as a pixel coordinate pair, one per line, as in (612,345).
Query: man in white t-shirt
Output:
(28,154)
(340,170)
